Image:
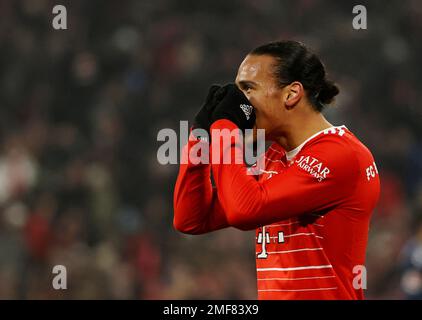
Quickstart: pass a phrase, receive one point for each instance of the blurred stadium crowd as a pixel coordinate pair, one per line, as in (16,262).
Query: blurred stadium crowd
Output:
(80,110)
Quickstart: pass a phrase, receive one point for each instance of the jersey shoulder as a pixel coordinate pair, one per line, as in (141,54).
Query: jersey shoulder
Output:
(335,150)
(344,154)
(340,142)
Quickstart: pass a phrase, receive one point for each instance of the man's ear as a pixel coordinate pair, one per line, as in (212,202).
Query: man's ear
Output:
(293,94)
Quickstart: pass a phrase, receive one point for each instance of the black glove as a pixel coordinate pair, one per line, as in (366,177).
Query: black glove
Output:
(235,107)
(203,117)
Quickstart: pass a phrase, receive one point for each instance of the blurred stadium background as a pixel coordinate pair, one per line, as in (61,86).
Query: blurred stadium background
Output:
(80,110)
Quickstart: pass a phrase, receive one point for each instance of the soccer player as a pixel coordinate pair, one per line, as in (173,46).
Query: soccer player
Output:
(311,204)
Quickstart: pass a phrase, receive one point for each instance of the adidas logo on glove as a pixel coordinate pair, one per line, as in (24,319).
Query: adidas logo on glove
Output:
(247,109)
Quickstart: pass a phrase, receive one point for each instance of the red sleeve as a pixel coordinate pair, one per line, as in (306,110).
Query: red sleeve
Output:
(249,204)
(197,209)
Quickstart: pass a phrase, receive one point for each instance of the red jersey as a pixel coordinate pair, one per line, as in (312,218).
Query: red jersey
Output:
(311,208)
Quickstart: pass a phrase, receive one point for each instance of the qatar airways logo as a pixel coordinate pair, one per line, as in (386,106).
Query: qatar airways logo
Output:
(314,167)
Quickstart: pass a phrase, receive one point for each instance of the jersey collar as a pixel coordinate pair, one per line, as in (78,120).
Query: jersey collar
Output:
(292,153)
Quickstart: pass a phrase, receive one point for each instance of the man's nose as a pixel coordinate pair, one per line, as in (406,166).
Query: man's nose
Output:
(247,94)
(250,97)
